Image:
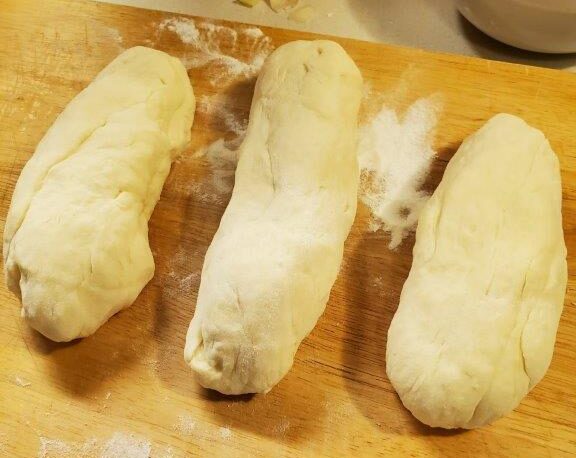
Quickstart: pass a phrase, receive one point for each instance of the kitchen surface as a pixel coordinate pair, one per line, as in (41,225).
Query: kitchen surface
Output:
(433,25)
(82,381)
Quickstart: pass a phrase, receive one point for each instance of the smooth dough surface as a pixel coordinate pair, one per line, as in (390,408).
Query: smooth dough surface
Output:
(76,236)
(268,272)
(478,314)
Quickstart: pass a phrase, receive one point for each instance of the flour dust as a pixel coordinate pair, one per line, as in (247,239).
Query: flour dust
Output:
(21,381)
(222,153)
(216,47)
(185,426)
(395,154)
(126,446)
(53,448)
(120,445)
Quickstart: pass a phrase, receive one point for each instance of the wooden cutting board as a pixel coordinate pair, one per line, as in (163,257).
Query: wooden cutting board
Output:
(126,389)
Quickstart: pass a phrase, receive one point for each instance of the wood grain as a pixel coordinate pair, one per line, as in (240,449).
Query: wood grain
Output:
(130,376)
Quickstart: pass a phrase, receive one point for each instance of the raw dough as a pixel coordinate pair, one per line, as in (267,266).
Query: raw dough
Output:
(478,315)
(268,272)
(76,236)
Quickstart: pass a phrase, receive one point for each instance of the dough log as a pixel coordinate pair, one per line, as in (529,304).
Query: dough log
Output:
(76,236)
(478,315)
(268,272)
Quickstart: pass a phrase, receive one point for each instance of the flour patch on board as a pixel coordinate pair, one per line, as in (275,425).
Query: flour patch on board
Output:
(21,381)
(222,153)
(51,448)
(185,426)
(226,54)
(105,34)
(395,154)
(222,157)
(114,36)
(282,427)
(225,433)
(120,445)
(183,277)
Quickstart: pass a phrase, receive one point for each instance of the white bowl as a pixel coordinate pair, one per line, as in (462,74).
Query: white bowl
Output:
(536,25)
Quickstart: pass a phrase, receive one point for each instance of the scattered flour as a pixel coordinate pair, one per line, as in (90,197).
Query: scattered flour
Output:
(395,157)
(182,277)
(114,35)
(217,107)
(88,449)
(126,446)
(221,154)
(253,32)
(222,157)
(120,445)
(167,453)
(379,287)
(225,433)
(105,34)
(282,427)
(189,280)
(185,426)
(53,448)
(184,28)
(203,192)
(21,381)
(214,46)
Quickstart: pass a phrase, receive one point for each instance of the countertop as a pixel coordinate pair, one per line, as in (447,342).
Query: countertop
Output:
(434,25)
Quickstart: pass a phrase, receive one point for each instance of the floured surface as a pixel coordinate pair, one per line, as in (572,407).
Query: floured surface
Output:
(207,40)
(395,155)
(120,445)
(130,377)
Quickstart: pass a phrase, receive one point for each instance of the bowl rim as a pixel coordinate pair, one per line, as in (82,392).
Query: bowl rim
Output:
(556,6)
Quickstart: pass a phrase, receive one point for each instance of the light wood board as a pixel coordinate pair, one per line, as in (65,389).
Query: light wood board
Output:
(130,377)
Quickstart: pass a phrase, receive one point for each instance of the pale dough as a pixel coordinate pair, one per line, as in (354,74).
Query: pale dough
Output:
(268,272)
(478,315)
(76,236)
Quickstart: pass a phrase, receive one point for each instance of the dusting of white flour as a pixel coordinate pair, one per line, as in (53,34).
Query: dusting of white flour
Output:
(225,433)
(53,448)
(126,446)
(395,155)
(120,445)
(253,32)
(185,425)
(282,427)
(221,154)
(21,381)
(222,157)
(114,36)
(215,45)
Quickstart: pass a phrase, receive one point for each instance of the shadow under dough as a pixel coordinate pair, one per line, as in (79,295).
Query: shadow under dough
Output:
(82,366)
(374,280)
